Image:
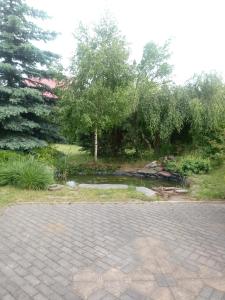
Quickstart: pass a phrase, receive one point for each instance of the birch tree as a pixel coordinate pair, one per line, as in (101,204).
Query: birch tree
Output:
(101,92)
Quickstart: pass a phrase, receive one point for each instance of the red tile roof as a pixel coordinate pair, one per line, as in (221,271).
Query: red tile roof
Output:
(50,83)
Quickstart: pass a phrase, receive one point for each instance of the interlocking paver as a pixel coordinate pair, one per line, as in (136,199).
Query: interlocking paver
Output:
(113,251)
(206,292)
(8,297)
(99,294)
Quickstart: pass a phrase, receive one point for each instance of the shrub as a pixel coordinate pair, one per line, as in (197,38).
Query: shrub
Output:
(6,155)
(61,168)
(189,165)
(214,147)
(48,155)
(67,167)
(90,169)
(26,173)
(9,172)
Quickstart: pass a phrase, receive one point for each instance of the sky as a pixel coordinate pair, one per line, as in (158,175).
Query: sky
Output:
(195,27)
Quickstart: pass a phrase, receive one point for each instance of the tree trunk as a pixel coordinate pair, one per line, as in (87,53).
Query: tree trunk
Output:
(96,145)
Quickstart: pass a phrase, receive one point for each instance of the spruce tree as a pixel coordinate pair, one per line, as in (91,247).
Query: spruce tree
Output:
(25,106)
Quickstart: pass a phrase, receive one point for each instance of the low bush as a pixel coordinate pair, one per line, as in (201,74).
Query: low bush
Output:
(6,155)
(214,147)
(26,173)
(91,169)
(189,165)
(67,167)
(48,155)
(61,168)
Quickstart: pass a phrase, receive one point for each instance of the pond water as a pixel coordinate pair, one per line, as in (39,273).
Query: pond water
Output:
(132,181)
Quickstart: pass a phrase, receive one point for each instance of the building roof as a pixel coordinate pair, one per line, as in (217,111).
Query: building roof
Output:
(41,82)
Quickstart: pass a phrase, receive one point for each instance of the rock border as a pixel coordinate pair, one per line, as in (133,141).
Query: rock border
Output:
(163,175)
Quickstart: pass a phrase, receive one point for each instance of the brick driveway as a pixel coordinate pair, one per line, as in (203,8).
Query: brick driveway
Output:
(113,251)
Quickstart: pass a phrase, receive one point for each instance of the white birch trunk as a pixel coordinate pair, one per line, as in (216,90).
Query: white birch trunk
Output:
(96,145)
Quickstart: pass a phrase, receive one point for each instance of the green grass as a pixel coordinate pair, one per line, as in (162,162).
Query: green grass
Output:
(68,149)
(11,195)
(25,173)
(210,186)
(75,153)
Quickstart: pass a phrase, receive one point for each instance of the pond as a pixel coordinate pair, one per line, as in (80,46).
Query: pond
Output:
(131,181)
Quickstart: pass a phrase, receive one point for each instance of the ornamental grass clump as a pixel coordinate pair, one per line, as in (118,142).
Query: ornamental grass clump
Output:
(26,173)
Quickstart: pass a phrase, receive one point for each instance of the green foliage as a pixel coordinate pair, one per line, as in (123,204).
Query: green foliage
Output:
(213,146)
(68,149)
(21,143)
(189,165)
(210,186)
(67,166)
(48,155)
(102,93)
(61,168)
(207,105)
(140,114)
(90,169)
(159,113)
(6,155)
(25,108)
(25,173)
(136,107)
(167,116)
(154,63)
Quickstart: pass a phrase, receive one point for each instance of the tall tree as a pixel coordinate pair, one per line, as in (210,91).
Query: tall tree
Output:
(25,104)
(156,115)
(207,104)
(101,93)
(154,63)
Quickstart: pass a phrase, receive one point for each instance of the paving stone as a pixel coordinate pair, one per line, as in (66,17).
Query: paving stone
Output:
(134,294)
(31,291)
(8,297)
(217,295)
(206,292)
(161,280)
(171,281)
(40,297)
(3,292)
(126,297)
(109,297)
(98,295)
(71,296)
(47,251)
(44,289)
(32,279)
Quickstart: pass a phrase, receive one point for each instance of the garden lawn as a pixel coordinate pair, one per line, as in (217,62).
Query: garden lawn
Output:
(75,153)
(10,195)
(210,186)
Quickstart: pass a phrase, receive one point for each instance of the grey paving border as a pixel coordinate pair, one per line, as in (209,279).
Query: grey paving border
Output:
(124,250)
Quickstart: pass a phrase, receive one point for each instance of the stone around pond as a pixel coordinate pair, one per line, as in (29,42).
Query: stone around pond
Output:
(147,171)
(181,191)
(72,184)
(165,174)
(104,186)
(146,191)
(55,187)
(152,164)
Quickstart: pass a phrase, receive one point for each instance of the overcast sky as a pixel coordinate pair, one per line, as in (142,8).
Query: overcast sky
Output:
(196,28)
